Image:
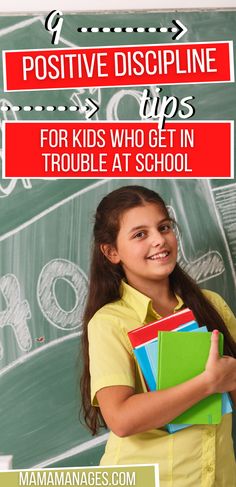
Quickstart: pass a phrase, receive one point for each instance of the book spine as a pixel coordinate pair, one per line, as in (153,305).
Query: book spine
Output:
(160,335)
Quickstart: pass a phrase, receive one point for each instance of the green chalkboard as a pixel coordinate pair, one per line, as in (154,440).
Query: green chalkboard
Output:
(45,234)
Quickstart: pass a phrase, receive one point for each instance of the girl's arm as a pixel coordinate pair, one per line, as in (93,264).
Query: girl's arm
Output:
(127,413)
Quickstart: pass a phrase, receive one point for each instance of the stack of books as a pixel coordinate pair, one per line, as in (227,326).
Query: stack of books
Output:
(167,358)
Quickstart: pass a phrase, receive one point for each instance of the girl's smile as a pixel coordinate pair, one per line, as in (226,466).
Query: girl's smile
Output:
(161,256)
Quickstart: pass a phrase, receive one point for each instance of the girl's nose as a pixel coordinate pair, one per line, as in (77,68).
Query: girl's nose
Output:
(158,239)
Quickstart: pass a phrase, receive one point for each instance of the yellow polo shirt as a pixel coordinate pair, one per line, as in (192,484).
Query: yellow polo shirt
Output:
(198,456)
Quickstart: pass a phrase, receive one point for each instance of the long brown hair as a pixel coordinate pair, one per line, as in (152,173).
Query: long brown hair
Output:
(105,280)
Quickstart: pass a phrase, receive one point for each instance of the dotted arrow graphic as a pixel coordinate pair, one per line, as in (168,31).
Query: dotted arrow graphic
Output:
(179,29)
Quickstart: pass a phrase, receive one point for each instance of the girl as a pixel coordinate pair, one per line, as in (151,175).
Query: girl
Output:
(134,280)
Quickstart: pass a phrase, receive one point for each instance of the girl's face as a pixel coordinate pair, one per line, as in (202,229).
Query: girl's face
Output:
(146,245)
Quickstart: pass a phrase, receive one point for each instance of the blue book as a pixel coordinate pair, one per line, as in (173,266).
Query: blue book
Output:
(143,361)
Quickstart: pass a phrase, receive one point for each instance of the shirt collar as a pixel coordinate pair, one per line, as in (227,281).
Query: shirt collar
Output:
(141,303)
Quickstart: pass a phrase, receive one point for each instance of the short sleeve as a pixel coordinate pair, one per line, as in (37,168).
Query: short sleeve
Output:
(111,362)
(224,310)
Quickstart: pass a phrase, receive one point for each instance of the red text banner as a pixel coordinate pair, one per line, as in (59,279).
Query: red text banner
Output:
(197,149)
(160,64)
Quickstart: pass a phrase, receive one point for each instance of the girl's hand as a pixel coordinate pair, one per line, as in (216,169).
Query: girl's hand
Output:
(220,372)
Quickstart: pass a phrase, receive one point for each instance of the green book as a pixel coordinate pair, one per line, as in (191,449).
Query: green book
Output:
(182,356)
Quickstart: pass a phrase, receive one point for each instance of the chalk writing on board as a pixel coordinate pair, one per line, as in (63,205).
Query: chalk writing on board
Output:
(47,300)
(209,265)
(225,199)
(17,312)
(111,106)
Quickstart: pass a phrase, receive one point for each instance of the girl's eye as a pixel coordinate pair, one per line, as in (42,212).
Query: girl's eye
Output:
(165,228)
(139,235)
